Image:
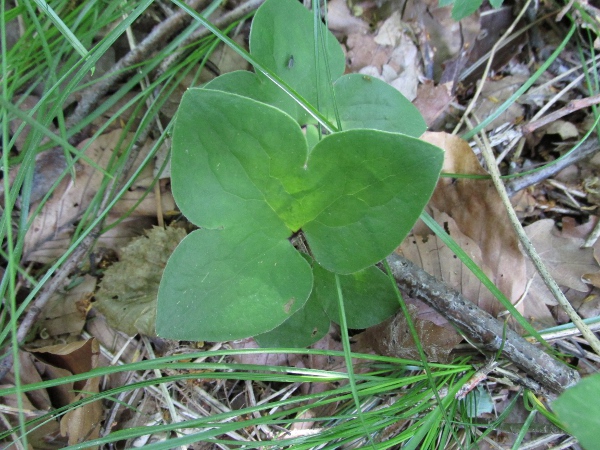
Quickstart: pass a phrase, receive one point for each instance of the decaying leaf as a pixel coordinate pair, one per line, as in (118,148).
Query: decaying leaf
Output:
(51,363)
(82,423)
(127,295)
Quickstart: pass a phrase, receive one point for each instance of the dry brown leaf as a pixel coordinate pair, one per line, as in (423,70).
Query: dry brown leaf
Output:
(571,229)
(592,278)
(431,254)
(566,261)
(402,67)
(393,337)
(34,404)
(477,209)
(49,235)
(432,101)
(66,312)
(39,437)
(524,204)
(53,362)
(566,130)
(82,423)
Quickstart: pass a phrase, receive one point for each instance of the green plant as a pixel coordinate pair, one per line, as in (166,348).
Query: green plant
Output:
(256,169)
(578,413)
(464,8)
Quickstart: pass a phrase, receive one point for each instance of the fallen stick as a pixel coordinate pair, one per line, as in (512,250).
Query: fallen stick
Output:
(482,327)
(586,149)
(155,39)
(227,19)
(572,106)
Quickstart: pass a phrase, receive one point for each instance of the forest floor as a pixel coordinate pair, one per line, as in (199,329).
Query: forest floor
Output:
(89,221)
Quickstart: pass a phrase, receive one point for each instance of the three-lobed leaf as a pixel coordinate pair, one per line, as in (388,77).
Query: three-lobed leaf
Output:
(360,187)
(249,176)
(250,187)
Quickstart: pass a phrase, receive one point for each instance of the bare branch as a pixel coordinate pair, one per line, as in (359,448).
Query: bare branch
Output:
(481,327)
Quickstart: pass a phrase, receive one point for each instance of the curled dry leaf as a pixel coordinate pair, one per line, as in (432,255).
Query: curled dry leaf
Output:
(50,233)
(477,210)
(82,423)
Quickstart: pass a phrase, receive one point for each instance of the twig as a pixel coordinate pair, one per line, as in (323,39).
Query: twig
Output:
(593,237)
(156,39)
(481,327)
(488,156)
(556,97)
(227,19)
(586,149)
(572,106)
